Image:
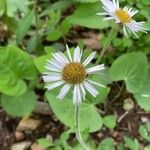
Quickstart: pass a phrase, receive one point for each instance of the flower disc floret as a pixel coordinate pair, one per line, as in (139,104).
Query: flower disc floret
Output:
(74,73)
(123,16)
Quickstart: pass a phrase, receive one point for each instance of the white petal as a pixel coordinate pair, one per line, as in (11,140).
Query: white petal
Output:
(60,57)
(124,30)
(52,68)
(51,73)
(101,14)
(75,94)
(108,18)
(79,99)
(68,53)
(83,91)
(64,91)
(95,83)
(90,89)
(89,58)
(51,78)
(77,54)
(55,63)
(54,85)
(95,69)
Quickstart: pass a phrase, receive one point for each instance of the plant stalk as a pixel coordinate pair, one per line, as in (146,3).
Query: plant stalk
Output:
(78,133)
(112,34)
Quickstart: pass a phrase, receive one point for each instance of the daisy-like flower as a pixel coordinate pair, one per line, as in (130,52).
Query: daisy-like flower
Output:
(70,73)
(123,16)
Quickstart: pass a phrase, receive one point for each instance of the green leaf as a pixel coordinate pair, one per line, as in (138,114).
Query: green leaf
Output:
(103,91)
(15,65)
(41,61)
(32,43)
(60,5)
(106,144)
(132,144)
(14,5)
(144,131)
(143,102)
(147,147)
(109,121)
(64,110)
(85,15)
(143,96)
(132,68)
(19,105)
(45,143)
(24,26)
(2,7)
(54,35)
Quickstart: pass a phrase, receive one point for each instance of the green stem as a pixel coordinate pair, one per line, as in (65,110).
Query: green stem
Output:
(78,134)
(112,34)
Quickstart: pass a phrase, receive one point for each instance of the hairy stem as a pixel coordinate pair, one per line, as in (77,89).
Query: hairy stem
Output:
(112,34)
(78,133)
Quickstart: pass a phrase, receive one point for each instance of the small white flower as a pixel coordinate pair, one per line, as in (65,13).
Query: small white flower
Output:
(69,72)
(122,15)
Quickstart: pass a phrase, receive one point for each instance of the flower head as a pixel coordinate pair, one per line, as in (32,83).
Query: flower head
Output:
(123,16)
(69,72)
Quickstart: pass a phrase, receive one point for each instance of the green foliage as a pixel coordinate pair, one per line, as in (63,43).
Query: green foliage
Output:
(85,15)
(144,131)
(147,147)
(45,143)
(19,105)
(10,7)
(15,65)
(132,68)
(143,96)
(41,61)
(35,24)
(24,26)
(2,7)
(109,121)
(131,143)
(64,110)
(106,144)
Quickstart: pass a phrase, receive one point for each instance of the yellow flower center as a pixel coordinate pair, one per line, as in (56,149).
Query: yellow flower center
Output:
(123,16)
(74,73)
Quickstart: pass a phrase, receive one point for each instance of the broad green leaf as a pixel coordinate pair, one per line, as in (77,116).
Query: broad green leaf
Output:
(32,43)
(131,143)
(41,61)
(145,2)
(15,65)
(145,91)
(144,131)
(54,35)
(100,78)
(19,105)
(106,144)
(132,68)
(85,15)
(143,101)
(60,5)
(64,110)
(2,7)
(45,143)
(24,26)
(109,121)
(147,147)
(143,96)
(14,5)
